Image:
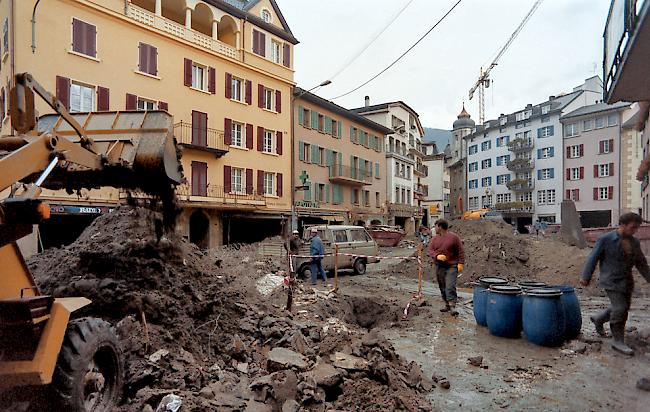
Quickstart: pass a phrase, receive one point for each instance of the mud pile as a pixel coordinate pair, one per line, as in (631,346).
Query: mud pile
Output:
(193,324)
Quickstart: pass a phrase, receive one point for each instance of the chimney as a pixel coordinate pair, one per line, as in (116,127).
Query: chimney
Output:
(367,101)
(551,97)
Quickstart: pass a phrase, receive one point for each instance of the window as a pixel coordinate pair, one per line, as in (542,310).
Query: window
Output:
(519,126)
(355,196)
(606,146)
(501,160)
(335,129)
(269,142)
(486,181)
(503,120)
(600,122)
(503,179)
(5,36)
(306,115)
(573,194)
(340,236)
(546,109)
(266,16)
(486,201)
(603,193)
(268,99)
(147,59)
(359,235)
(84,38)
(473,167)
(576,151)
(546,119)
(546,197)
(575,173)
(504,198)
(525,197)
(199,79)
(503,141)
(587,125)
(545,174)
(486,164)
(144,104)
(269,184)
(473,202)
(82,97)
(603,170)
(366,198)
(408,172)
(237,135)
(545,131)
(307,151)
(571,130)
(519,116)
(237,180)
(612,120)
(473,184)
(320,192)
(528,135)
(237,89)
(321,123)
(377,202)
(276,54)
(473,149)
(486,145)
(545,153)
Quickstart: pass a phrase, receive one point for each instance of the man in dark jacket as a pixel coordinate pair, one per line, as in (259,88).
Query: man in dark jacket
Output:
(292,245)
(448,253)
(617,252)
(316,248)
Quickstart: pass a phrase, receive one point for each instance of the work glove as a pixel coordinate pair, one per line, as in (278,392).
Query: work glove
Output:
(441,258)
(460,268)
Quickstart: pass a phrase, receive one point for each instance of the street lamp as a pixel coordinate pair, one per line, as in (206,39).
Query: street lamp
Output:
(294,217)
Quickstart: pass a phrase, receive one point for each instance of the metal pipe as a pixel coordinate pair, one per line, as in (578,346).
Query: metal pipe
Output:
(46,172)
(34,26)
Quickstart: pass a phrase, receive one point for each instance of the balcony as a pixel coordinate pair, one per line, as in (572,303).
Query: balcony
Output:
(515,208)
(212,194)
(200,19)
(209,140)
(520,165)
(627,47)
(349,176)
(402,210)
(521,145)
(420,189)
(421,170)
(521,185)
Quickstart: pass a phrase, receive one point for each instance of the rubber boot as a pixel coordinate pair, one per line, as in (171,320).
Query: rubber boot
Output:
(452,309)
(618,344)
(599,322)
(446,308)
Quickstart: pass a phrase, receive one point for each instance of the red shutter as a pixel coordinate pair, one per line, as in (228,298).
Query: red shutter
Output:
(278,101)
(249,92)
(143,57)
(227,131)
(187,77)
(91,40)
(582,150)
(2,104)
(577,199)
(63,91)
(131,102)
(249,136)
(610,192)
(102,99)
(228,88)
(260,95)
(582,172)
(279,184)
(568,194)
(611,145)
(278,142)
(212,81)
(153,61)
(568,152)
(601,146)
(227,182)
(163,106)
(199,179)
(611,169)
(260,138)
(199,128)
(262,41)
(78,38)
(568,174)
(595,170)
(249,181)
(256,42)
(195,128)
(260,182)
(286,55)
(595,193)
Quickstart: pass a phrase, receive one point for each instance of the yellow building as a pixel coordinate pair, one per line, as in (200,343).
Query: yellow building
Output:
(223,69)
(339,164)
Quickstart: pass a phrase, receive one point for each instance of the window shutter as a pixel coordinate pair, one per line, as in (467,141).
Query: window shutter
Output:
(595,193)
(260,182)
(249,92)
(568,174)
(577,195)
(63,91)
(91,40)
(539,174)
(187,75)
(539,132)
(228,87)
(340,164)
(102,99)
(286,55)
(601,146)
(249,136)
(163,106)
(301,115)
(329,158)
(301,150)
(327,193)
(595,170)
(314,119)
(131,102)
(611,145)
(377,170)
(260,95)
(260,138)
(212,80)
(340,126)
(568,194)
(551,152)
(610,192)
(203,129)
(278,142)
(227,131)
(552,173)
(539,153)
(199,179)
(582,172)
(307,192)
(143,56)
(568,152)
(611,169)
(278,101)
(262,47)
(195,128)
(227,179)
(314,154)
(153,61)
(249,181)
(256,41)
(279,184)
(78,38)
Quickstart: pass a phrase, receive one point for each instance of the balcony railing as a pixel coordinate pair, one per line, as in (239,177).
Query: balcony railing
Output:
(521,185)
(421,169)
(349,175)
(521,145)
(515,207)
(519,165)
(420,189)
(217,194)
(211,140)
(151,19)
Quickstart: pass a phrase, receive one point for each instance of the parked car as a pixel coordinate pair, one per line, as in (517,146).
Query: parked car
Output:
(352,240)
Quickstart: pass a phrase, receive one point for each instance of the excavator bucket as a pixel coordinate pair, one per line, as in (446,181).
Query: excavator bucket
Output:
(137,150)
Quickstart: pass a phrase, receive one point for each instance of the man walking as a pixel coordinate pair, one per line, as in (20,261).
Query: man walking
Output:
(448,254)
(292,245)
(316,248)
(617,252)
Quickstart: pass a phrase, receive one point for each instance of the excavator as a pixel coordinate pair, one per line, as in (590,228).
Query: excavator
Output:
(42,344)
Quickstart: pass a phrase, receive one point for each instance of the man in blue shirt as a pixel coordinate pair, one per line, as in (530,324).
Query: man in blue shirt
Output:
(617,252)
(316,248)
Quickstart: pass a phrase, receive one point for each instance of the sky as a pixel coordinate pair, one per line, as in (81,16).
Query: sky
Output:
(560,46)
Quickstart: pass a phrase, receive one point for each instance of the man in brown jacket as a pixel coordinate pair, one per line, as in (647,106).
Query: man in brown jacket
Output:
(446,250)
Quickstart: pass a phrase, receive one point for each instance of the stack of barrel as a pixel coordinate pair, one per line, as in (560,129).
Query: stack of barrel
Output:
(547,314)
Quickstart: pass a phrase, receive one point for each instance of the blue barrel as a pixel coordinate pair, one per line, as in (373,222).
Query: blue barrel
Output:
(480,297)
(543,316)
(531,284)
(572,313)
(503,312)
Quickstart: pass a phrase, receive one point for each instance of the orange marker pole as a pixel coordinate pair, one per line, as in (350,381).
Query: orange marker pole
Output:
(420,271)
(336,268)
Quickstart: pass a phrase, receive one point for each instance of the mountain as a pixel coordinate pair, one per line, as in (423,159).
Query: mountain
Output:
(441,137)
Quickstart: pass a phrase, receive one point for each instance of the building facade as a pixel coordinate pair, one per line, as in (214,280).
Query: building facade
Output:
(339,164)
(593,154)
(224,70)
(457,163)
(404,165)
(514,163)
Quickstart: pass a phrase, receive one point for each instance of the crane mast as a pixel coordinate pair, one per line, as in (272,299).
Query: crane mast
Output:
(483,81)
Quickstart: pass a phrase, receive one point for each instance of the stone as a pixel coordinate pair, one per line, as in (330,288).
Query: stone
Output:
(290,405)
(282,358)
(170,403)
(285,386)
(254,406)
(578,347)
(242,367)
(298,343)
(237,347)
(147,408)
(206,393)
(475,360)
(157,355)
(348,362)
(186,357)
(444,384)
(643,384)
(414,376)
(325,374)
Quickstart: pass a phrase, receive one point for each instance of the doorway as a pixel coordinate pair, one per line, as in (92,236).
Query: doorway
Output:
(200,229)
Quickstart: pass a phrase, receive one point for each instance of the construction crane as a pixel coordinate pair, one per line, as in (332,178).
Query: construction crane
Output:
(483,81)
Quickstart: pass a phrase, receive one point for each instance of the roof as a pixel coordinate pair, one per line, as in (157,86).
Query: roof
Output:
(385,106)
(464,120)
(340,110)
(596,108)
(239,8)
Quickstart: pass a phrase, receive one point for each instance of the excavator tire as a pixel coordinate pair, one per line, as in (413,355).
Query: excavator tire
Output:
(90,370)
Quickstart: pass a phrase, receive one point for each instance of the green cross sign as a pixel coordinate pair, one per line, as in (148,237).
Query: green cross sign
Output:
(303,177)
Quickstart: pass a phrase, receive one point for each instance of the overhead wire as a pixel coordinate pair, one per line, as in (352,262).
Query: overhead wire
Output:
(403,54)
(358,54)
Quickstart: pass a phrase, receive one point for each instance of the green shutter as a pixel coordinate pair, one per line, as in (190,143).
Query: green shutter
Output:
(351,134)
(340,162)
(307,192)
(328,125)
(369,167)
(301,115)
(314,119)
(314,154)
(327,193)
(353,170)
(377,170)
(340,126)
(316,194)
(301,150)
(329,157)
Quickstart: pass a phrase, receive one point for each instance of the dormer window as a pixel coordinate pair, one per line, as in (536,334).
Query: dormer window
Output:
(266,16)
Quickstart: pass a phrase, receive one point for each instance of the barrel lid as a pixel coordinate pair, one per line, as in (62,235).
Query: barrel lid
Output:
(562,288)
(505,289)
(544,292)
(488,280)
(531,284)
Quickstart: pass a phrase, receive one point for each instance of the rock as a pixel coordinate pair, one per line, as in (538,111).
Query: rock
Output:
(285,386)
(578,347)
(147,408)
(371,338)
(281,358)
(157,355)
(237,347)
(643,384)
(268,283)
(298,343)
(170,403)
(228,401)
(475,360)
(186,357)
(444,384)
(348,362)
(414,376)
(254,406)
(290,405)
(206,393)
(242,367)
(325,374)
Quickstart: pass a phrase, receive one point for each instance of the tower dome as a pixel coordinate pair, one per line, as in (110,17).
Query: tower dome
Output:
(464,120)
